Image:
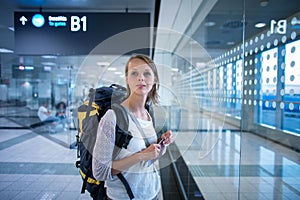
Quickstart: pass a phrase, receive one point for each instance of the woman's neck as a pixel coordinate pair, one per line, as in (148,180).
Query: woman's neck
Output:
(136,105)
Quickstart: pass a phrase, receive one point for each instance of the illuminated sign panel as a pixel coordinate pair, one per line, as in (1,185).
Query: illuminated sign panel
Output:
(26,71)
(76,33)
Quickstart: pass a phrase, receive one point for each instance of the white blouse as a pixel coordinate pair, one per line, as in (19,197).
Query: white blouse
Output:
(143,179)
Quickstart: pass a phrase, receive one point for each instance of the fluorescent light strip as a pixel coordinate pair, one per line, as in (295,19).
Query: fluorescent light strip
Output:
(4,50)
(260,25)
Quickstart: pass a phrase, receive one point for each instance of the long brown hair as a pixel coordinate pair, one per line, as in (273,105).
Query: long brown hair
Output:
(153,94)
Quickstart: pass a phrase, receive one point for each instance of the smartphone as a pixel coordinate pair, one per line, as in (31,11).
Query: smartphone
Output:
(162,146)
(161,141)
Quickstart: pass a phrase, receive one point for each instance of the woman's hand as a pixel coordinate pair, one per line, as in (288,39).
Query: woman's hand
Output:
(167,137)
(151,152)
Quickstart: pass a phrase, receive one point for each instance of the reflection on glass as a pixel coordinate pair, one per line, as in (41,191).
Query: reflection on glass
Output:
(291,98)
(268,86)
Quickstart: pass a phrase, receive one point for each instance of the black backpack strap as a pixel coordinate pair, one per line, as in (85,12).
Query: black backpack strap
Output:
(84,184)
(127,186)
(123,136)
(122,117)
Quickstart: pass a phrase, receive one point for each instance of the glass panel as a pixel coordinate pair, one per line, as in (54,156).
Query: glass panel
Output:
(266,116)
(240,85)
(291,116)
(205,83)
(34,80)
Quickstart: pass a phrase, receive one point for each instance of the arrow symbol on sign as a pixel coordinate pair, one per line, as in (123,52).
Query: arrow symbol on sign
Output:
(23,20)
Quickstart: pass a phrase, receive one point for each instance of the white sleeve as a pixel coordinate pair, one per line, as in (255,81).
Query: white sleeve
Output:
(104,146)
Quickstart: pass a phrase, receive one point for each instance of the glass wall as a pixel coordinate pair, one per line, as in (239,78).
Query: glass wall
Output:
(278,93)
(237,78)
(28,82)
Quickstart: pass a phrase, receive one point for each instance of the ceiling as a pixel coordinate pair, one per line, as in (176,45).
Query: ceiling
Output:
(217,25)
(228,16)
(194,16)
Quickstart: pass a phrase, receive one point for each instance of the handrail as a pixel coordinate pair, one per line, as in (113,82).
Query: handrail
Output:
(177,176)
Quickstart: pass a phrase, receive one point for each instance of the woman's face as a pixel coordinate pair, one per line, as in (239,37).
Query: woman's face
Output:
(140,77)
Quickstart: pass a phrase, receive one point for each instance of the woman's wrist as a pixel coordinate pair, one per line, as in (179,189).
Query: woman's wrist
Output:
(141,156)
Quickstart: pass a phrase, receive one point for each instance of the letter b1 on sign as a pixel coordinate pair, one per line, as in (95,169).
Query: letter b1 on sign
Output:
(76,23)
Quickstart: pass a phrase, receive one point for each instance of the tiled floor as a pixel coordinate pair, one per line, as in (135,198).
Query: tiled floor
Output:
(229,164)
(35,167)
(225,163)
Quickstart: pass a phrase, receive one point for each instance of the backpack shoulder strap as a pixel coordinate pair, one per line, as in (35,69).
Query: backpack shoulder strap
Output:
(122,117)
(123,136)
(126,184)
(92,98)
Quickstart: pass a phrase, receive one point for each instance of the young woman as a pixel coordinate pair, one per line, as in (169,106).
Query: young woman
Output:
(134,162)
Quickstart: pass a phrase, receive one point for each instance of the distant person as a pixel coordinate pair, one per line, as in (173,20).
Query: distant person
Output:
(61,113)
(45,115)
(61,110)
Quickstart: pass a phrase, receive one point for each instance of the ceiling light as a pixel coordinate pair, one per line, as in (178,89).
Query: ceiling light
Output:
(26,84)
(103,63)
(263,3)
(295,21)
(260,25)
(200,64)
(230,43)
(49,57)
(47,68)
(112,69)
(49,63)
(4,50)
(209,24)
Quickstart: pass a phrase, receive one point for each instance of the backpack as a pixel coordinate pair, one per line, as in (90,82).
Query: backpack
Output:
(89,115)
